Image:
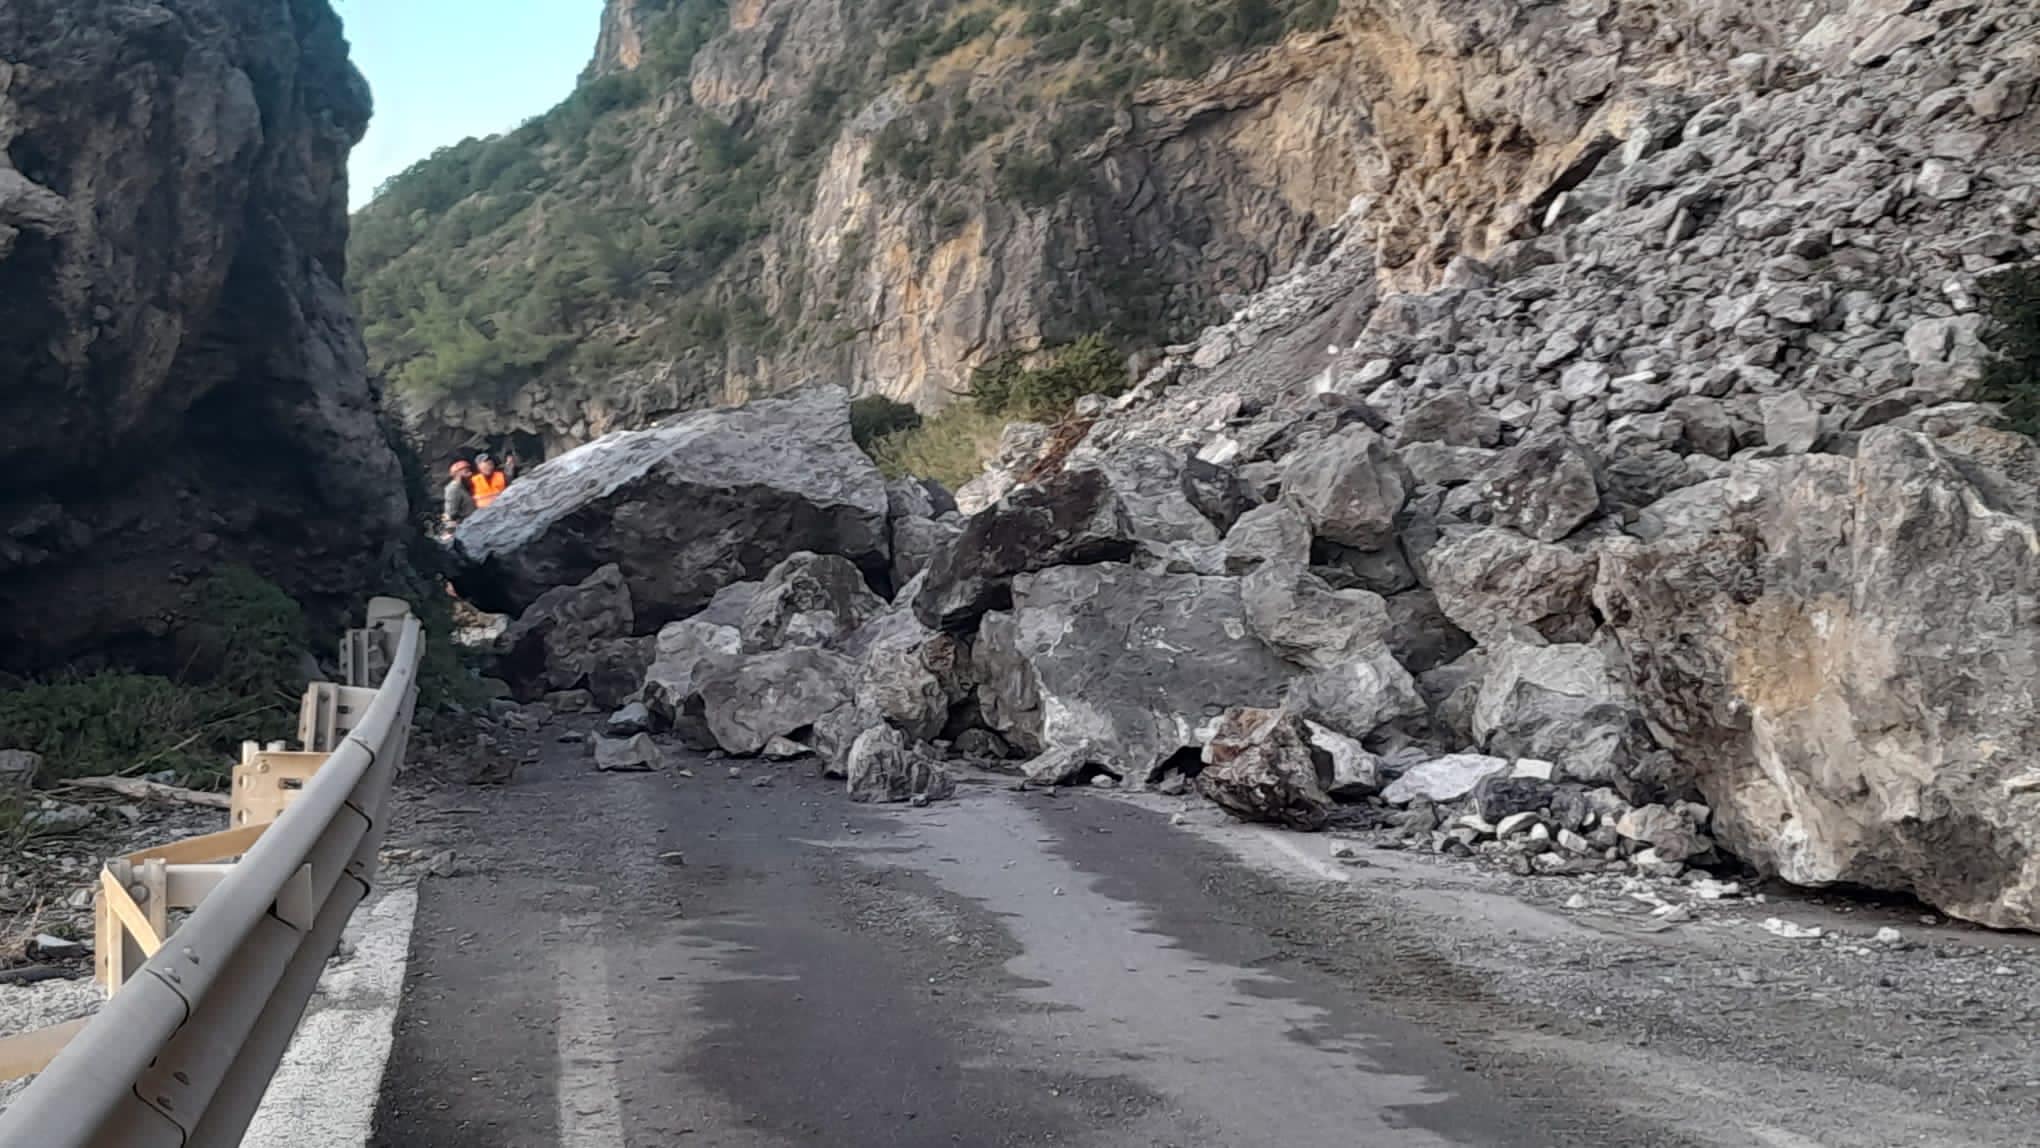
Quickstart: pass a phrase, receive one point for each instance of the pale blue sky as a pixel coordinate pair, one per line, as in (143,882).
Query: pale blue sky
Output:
(444,70)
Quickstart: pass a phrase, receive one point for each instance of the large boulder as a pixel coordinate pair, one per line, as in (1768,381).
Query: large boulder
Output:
(1494,580)
(1008,699)
(682,648)
(1350,488)
(1308,622)
(1845,650)
(1130,663)
(808,600)
(1154,494)
(684,508)
(1450,419)
(1272,532)
(1547,487)
(749,699)
(1258,766)
(575,637)
(916,541)
(1073,517)
(911,676)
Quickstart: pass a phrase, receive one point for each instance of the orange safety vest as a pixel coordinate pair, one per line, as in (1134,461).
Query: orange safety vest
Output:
(486,487)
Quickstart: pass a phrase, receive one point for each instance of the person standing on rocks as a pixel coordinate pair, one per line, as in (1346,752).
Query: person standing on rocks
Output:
(488,482)
(458,500)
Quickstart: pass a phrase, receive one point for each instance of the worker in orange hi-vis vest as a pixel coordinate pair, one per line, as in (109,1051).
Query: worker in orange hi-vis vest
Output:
(488,482)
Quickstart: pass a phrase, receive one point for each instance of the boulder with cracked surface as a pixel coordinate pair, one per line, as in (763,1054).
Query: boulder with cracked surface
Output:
(684,508)
(1547,487)
(1072,518)
(808,600)
(573,637)
(1258,766)
(1350,488)
(1131,663)
(1494,580)
(1843,650)
(1446,778)
(749,699)
(882,767)
(911,676)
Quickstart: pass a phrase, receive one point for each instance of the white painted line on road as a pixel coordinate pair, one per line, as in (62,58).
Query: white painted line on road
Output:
(324,1094)
(591,1104)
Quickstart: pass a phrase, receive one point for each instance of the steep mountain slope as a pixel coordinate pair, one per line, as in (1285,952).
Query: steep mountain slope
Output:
(883,194)
(181,382)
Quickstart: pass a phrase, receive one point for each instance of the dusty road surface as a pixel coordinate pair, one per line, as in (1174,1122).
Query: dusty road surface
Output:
(642,960)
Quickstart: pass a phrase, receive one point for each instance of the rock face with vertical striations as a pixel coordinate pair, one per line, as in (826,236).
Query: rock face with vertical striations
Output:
(182,383)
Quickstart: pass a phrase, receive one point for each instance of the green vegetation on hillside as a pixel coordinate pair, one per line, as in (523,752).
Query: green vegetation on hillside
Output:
(2012,376)
(952,446)
(624,228)
(240,680)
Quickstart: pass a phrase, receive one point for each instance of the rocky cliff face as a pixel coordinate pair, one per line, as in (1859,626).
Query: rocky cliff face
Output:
(883,196)
(184,382)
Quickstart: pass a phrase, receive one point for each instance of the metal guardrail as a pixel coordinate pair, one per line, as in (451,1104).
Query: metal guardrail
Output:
(183,1052)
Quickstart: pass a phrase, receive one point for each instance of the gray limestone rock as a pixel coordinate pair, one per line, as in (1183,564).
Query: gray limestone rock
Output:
(808,600)
(910,675)
(1491,581)
(1841,649)
(882,767)
(1273,532)
(1072,518)
(1350,487)
(634,754)
(576,637)
(916,541)
(1546,487)
(1447,778)
(1104,650)
(1344,766)
(683,508)
(1258,766)
(634,718)
(749,699)
(1791,422)
(681,649)
(1450,419)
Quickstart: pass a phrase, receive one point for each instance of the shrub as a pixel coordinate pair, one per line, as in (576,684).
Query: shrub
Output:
(238,679)
(1035,179)
(950,447)
(1088,366)
(113,722)
(874,415)
(2011,377)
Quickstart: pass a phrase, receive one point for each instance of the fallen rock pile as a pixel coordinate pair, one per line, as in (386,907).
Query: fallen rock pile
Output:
(1660,528)
(1675,483)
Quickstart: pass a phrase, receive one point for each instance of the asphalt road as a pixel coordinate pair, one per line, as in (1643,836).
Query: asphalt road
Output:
(1004,969)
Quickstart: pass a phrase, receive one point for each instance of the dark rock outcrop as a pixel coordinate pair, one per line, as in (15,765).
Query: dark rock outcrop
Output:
(181,380)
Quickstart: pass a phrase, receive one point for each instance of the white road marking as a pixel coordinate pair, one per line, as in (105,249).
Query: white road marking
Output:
(324,1093)
(591,1105)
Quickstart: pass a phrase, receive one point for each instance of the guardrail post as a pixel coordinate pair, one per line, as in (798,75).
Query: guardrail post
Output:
(181,1055)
